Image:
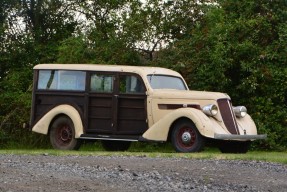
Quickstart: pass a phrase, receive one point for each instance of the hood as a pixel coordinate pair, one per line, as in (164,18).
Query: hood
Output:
(187,94)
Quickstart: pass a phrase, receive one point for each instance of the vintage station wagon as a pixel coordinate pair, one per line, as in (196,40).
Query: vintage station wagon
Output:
(119,104)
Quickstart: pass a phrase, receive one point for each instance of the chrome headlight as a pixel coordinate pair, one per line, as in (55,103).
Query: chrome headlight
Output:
(210,110)
(240,111)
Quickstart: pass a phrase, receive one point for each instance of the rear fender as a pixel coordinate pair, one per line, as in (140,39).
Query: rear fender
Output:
(42,126)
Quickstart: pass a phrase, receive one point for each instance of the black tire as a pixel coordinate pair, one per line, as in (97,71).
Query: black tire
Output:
(116,145)
(186,138)
(62,134)
(234,146)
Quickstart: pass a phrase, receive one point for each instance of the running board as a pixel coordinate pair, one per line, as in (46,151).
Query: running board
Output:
(109,137)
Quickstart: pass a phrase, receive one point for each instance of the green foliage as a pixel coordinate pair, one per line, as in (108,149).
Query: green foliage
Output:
(111,51)
(30,32)
(240,48)
(235,47)
(75,50)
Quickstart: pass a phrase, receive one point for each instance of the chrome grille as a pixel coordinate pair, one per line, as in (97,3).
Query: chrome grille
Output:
(225,108)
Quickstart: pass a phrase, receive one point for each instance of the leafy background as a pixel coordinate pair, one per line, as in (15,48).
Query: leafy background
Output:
(236,47)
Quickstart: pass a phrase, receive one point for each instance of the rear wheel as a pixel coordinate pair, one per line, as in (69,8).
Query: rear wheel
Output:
(186,138)
(116,145)
(62,134)
(234,146)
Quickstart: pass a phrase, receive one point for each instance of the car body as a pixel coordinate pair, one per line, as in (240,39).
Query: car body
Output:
(118,104)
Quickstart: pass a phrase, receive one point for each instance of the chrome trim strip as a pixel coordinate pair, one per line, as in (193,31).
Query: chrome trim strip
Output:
(227,115)
(233,116)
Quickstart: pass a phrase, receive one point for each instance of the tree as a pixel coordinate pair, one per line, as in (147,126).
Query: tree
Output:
(102,39)
(228,46)
(240,48)
(156,23)
(30,32)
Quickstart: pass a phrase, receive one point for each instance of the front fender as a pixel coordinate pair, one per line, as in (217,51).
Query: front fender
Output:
(246,123)
(42,126)
(205,125)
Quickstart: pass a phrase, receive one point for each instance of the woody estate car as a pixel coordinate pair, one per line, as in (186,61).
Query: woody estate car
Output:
(120,104)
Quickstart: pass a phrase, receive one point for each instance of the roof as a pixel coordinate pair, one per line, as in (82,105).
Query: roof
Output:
(142,70)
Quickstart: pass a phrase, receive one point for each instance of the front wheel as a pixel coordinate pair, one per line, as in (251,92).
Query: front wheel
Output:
(186,138)
(62,134)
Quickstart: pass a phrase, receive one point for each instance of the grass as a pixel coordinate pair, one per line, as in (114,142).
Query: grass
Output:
(155,150)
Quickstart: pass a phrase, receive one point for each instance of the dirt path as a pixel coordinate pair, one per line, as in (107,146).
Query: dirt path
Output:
(99,173)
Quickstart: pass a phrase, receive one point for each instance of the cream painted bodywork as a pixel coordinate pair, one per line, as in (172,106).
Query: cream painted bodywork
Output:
(42,126)
(160,121)
(180,97)
(159,131)
(246,124)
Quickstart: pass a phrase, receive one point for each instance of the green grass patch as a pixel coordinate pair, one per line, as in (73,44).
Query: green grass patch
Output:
(154,150)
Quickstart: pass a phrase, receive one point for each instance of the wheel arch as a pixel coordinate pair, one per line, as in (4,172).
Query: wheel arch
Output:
(160,131)
(43,125)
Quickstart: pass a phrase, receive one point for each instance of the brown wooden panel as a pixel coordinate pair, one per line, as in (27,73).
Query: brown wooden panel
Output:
(132,127)
(45,101)
(132,102)
(97,101)
(99,125)
(100,112)
(100,118)
(131,115)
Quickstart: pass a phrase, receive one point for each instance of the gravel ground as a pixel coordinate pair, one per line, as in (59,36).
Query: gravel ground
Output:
(139,173)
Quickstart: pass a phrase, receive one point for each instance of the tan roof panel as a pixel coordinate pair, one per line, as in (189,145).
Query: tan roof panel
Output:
(142,70)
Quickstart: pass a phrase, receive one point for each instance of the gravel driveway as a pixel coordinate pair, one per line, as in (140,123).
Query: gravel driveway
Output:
(121,173)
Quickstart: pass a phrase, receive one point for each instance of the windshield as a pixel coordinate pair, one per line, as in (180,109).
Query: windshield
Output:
(166,82)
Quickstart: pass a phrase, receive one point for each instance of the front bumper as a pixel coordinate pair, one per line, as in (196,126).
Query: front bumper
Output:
(239,137)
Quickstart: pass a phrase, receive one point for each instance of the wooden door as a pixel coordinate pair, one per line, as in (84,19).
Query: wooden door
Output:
(131,105)
(101,101)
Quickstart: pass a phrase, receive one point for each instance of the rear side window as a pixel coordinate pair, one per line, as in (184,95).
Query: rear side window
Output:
(131,84)
(61,80)
(102,83)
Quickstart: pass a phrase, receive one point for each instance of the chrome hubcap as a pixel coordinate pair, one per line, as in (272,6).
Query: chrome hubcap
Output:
(186,137)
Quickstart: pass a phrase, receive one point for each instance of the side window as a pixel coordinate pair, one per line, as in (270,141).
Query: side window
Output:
(72,80)
(131,84)
(102,83)
(61,80)
(47,79)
